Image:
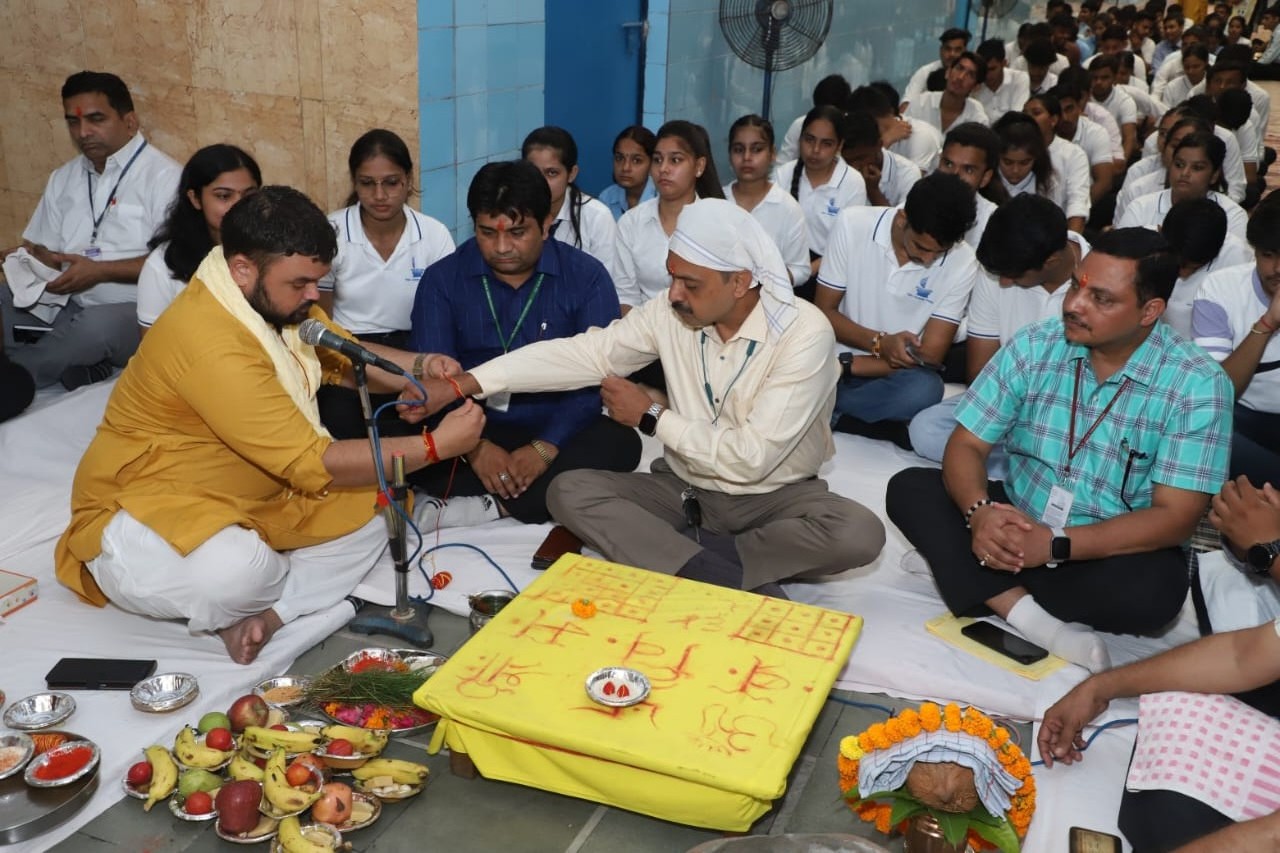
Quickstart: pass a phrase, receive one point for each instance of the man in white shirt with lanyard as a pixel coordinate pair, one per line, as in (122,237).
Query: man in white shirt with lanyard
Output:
(93,222)
(735,500)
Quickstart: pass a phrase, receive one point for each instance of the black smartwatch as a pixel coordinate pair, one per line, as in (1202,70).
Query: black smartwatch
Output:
(1261,556)
(649,420)
(1059,548)
(846,364)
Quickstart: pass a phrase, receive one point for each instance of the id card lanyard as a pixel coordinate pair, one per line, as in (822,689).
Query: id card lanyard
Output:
(111,199)
(706,380)
(506,340)
(1072,447)
(1057,510)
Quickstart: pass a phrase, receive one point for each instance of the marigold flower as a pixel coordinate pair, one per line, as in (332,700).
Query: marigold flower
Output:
(879,740)
(850,748)
(894,730)
(864,741)
(930,717)
(999,737)
(883,814)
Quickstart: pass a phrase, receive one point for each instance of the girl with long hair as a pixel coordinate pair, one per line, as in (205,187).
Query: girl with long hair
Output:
(577,219)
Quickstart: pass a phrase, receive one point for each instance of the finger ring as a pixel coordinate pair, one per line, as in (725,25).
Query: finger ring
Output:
(504,476)
(983,561)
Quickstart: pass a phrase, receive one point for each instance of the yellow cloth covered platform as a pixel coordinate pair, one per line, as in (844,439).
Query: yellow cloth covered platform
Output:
(737,681)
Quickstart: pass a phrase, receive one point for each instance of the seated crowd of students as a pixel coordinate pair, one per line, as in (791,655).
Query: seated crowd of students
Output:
(1075,219)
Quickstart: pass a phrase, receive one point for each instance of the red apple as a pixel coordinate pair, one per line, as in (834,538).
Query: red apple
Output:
(219,739)
(340,746)
(139,774)
(298,774)
(198,802)
(237,804)
(248,710)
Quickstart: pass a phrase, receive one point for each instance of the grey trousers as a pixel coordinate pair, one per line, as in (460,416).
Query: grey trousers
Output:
(800,530)
(79,336)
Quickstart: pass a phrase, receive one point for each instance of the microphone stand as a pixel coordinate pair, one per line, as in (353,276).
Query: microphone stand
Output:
(405,619)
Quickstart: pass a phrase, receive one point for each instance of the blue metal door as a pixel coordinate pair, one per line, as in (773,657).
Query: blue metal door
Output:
(594,73)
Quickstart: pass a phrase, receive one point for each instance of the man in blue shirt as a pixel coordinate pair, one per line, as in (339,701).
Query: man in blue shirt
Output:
(1118,433)
(507,287)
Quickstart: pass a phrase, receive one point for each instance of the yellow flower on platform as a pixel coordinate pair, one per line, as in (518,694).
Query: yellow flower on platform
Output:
(850,748)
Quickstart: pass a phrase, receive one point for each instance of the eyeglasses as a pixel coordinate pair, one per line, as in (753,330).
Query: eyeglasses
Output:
(391,184)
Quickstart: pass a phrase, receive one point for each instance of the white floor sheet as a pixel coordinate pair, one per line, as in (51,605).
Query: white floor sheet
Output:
(895,655)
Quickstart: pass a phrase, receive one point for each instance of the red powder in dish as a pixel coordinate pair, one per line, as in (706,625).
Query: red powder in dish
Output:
(64,763)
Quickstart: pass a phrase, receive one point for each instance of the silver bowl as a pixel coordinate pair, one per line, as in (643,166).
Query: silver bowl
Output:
(45,757)
(39,711)
(617,686)
(24,747)
(335,837)
(168,691)
(284,681)
(180,811)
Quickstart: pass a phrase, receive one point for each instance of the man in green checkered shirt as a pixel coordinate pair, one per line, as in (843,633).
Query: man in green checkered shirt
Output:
(1118,433)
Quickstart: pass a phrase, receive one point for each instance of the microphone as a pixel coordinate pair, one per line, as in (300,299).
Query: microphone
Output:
(314,332)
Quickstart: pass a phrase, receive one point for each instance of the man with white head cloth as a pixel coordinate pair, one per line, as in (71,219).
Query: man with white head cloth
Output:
(751,386)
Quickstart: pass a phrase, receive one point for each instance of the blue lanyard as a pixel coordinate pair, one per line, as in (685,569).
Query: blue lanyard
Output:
(97,220)
(706,380)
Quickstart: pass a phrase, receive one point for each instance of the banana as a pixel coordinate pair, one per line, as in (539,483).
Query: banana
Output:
(365,741)
(193,754)
(289,835)
(242,767)
(402,772)
(164,775)
(290,741)
(283,797)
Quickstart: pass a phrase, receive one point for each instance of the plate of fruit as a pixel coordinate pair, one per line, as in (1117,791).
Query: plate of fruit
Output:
(373,689)
(390,779)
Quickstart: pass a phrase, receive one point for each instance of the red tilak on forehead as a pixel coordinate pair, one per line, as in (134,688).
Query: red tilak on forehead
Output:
(79,112)
(502,226)
(1083,278)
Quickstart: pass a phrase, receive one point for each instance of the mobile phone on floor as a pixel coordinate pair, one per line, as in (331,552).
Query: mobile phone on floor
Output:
(98,673)
(1091,841)
(999,640)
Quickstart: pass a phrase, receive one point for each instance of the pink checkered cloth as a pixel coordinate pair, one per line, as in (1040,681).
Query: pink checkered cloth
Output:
(1212,748)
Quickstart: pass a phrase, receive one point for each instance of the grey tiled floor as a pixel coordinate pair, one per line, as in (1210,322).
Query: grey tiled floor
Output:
(454,815)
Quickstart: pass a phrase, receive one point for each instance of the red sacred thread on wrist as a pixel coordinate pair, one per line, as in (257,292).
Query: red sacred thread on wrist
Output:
(1266,324)
(429,442)
(457,389)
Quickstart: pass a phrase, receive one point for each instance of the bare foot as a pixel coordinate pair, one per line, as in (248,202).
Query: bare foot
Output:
(247,637)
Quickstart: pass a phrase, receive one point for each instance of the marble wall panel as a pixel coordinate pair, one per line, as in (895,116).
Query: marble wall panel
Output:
(370,53)
(45,36)
(148,41)
(246,46)
(33,136)
(167,114)
(344,123)
(310,50)
(317,160)
(268,127)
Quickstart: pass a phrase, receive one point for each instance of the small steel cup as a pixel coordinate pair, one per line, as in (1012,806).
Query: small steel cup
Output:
(485,605)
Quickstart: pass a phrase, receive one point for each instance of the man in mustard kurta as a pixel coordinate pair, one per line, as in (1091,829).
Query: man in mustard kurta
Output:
(212,492)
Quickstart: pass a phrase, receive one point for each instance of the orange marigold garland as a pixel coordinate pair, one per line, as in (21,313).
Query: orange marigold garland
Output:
(930,718)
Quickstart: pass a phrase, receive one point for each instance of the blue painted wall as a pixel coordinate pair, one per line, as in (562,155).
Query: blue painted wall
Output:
(480,84)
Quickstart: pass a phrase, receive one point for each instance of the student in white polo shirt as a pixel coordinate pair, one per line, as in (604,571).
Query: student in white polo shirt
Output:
(888,176)
(1195,171)
(1235,317)
(384,246)
(1002,88)
(1103,72)
(93,222)
(821,180)
(1197,231)
(751,154)
(954,104)
(951,44)
(1028,258)
(1195,64)
(895,284)
(1070,163)
(917,141)
(683,171)
(831,91)
(971,152)
(576,218)
(213,180)
(1074,126)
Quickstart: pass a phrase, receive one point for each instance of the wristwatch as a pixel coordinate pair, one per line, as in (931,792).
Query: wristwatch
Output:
(1059,548)
(846,364)
(1261,556)
(649,420)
